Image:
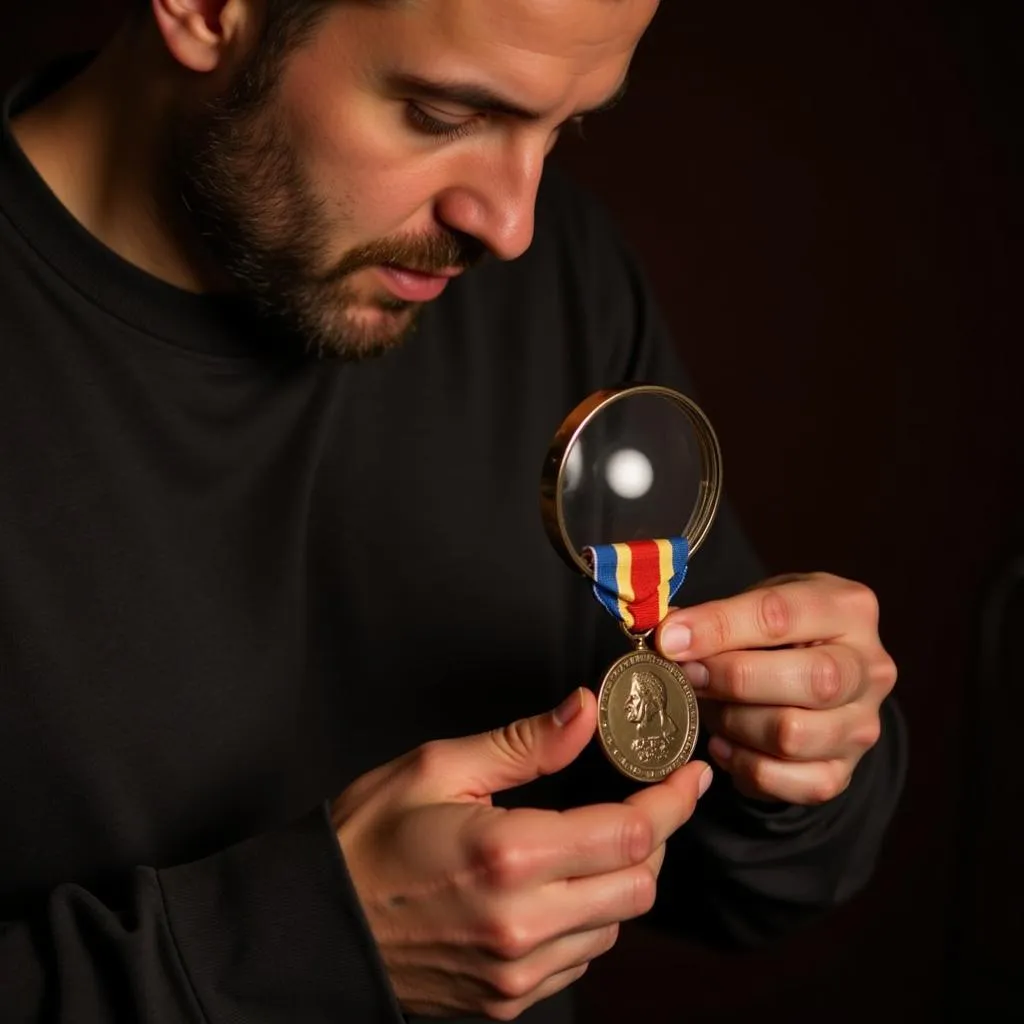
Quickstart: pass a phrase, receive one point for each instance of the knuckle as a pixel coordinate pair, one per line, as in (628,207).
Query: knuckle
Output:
(861,600)
(512,982)
(637,838)
(827,785)
(503,1011)
(719,629)
(758,773)
(790,733)
(513,740)
(508,943)
(827,677)
(501,863)
(430,761)
(883,673)
(820,791)
(774,615)
(868,733)
(738,677)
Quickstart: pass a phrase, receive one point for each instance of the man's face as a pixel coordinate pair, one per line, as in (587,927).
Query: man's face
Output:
(634,704)
(392,150)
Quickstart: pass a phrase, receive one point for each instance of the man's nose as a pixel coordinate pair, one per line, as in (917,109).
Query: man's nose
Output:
(496,199)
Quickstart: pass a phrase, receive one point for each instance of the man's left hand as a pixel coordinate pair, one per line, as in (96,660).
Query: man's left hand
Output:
(791,676)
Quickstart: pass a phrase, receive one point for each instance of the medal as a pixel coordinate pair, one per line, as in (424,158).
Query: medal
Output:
(647,710)
(647,715)
(621,466)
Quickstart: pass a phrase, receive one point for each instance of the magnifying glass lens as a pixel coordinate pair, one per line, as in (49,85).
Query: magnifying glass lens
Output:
(632,473)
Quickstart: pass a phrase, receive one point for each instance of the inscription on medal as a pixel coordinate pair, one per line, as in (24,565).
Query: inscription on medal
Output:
(647,716)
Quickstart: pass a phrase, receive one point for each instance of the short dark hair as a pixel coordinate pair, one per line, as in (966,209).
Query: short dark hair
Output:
(288,22)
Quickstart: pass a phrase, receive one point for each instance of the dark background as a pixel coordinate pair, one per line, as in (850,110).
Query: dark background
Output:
(824,195)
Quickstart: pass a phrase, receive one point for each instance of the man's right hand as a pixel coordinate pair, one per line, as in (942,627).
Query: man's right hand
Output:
(482,910)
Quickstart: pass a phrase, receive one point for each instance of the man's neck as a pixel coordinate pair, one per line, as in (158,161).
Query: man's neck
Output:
(99,143)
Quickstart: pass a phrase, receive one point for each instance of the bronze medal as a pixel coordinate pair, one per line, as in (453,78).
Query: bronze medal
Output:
(647,716)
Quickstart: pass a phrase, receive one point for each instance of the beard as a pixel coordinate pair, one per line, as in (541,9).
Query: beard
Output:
(252,205)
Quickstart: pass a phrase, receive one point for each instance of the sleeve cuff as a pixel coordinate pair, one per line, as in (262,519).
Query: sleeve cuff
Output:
(270,931)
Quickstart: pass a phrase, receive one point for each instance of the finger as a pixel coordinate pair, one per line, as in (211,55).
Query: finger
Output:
(521,926)
(509,1009)
(585,904)
(577,905)
(671,803)
(476,766)
(795,734)
(514,977)
(825,676)
(768,778)
(816,608)
(526,847)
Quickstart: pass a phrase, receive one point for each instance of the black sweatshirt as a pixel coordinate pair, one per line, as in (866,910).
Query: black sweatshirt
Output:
(234,577)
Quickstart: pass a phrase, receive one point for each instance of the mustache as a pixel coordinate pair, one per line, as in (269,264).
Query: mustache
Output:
(428,254)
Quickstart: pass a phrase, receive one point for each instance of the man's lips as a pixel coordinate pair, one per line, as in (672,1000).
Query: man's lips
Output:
(414,285)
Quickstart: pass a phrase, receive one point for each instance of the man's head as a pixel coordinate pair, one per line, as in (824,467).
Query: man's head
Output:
(647,697)
(345,158)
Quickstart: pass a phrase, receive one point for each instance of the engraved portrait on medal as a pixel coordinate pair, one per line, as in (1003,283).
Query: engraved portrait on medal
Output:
(646,708)
(647,716)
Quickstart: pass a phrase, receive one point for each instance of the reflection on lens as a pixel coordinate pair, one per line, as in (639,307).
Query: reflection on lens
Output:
(629,473)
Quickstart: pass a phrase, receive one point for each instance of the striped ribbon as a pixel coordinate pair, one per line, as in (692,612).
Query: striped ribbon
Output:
(635,581)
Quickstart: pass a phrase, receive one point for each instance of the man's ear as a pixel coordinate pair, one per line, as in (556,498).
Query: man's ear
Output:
(199,33)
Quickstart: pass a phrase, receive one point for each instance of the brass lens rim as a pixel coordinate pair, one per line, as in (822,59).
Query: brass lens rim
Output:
(555,466)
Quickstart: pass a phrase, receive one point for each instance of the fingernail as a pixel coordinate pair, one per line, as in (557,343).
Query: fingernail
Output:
(568,709)
(720,749)
(705,782)
(697,674)
(675,640)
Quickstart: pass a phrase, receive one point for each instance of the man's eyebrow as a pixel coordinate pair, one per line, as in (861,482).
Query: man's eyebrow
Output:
(483,99)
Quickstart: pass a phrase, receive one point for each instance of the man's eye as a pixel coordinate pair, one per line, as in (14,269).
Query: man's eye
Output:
(427,123)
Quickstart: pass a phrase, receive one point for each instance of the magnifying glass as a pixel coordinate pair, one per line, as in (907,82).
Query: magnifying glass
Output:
(630,488)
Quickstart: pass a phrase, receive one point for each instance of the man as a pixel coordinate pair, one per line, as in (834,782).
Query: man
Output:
(646,707)
(229,540)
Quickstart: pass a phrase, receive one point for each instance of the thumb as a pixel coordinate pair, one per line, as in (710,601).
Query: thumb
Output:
(525,750)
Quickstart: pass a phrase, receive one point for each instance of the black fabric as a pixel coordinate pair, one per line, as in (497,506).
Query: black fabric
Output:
(234,577)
